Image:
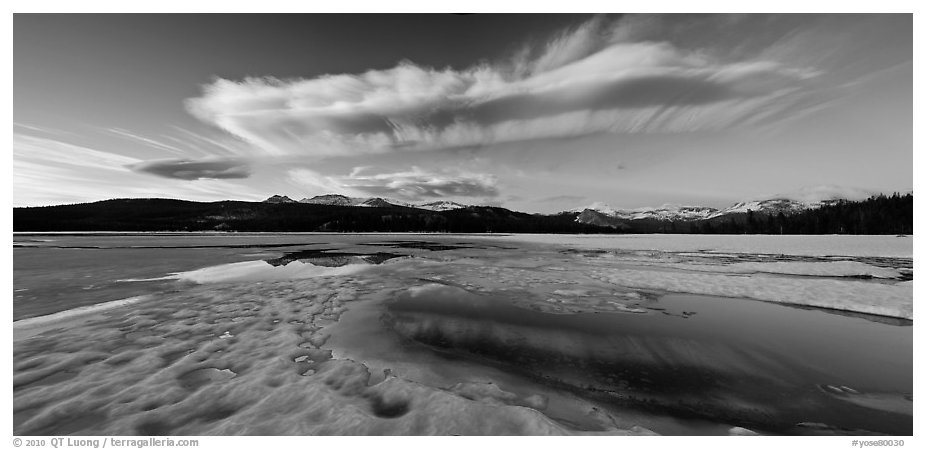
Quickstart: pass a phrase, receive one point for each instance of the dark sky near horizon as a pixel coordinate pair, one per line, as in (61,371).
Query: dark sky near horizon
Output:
(123,60)
(536,112)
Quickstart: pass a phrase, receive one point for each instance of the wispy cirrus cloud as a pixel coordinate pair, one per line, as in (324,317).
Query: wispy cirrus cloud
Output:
(184,143)
(147,141)
(41,130)
(193,155)
(50,171)
(595,78)
(53,152)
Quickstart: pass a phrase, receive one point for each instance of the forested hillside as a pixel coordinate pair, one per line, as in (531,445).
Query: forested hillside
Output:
(176,215)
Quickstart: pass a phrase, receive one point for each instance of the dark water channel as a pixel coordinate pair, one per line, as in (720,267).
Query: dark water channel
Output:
(695,359)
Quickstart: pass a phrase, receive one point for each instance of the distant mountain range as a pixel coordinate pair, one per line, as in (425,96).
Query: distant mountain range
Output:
(339,213)
(876,215)
(739,217)
(341,200)
(667,212)
(672,212)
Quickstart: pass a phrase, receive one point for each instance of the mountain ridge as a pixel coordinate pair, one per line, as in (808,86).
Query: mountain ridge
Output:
(666,212)
(334,199)
(676,212)
(876,215)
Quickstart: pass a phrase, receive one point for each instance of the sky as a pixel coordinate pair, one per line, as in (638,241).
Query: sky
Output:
(533,112)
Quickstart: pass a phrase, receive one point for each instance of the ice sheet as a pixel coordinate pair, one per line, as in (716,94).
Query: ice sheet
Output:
(894,300)
(808,245)
(842,268)
(241,348)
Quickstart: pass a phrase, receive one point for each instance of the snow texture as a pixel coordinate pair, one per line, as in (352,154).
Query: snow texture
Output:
(241,359)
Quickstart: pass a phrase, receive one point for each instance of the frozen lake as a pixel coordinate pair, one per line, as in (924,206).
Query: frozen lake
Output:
(461,334)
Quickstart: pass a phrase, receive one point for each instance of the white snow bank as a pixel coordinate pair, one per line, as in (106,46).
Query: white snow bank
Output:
(875,298)
(258,270)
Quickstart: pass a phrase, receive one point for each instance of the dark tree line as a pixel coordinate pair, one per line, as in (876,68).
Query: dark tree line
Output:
(176,215)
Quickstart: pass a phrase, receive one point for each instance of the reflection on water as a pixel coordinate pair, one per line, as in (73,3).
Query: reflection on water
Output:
(416,244)
(324,258)
(745,363)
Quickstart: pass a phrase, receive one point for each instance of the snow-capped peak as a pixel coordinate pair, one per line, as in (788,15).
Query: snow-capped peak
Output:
(769,206)
(442,205)
(330,199)
(597,206)
(675,212)
(664,212)
(375,202)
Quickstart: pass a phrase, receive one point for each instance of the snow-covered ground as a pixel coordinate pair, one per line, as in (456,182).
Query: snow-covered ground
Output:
(241,358)
(894,300)
(726,265)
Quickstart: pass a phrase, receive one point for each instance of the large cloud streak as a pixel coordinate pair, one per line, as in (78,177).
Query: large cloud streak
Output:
(192,170)
(415,184)
(595,78)
(418,184)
